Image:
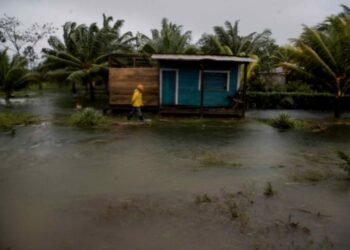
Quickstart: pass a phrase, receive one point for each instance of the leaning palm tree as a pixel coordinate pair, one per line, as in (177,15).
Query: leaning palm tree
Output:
(169,39)
(112,39)
(323,56)
(226,40)
(13,73)
(82,55)
(79,58)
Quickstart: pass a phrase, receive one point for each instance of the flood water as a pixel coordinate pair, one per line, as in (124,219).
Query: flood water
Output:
(171,184)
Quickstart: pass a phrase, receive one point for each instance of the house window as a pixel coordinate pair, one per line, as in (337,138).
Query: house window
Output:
(215,80)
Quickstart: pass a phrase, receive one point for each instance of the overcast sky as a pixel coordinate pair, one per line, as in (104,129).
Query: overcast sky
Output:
(283,17)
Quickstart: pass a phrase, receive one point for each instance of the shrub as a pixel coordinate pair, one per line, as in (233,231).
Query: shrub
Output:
(298,86)
(283,121)
(87,118)
(8,120)
(345,158)
(296,100)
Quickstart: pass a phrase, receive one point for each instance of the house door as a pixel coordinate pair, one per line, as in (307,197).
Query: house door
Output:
(169,87)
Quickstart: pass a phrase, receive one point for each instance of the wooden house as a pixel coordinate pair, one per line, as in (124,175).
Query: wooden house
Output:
(184,84)
(125,73)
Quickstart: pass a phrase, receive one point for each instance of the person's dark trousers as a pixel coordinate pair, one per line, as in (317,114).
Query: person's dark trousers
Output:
(136,110)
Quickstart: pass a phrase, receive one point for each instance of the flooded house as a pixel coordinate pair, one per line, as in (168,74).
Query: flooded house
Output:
(182,84)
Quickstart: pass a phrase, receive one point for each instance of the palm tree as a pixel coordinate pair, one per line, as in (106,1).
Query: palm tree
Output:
(323,56)
(169,39)
(226,40)
(82,56)
(13,73)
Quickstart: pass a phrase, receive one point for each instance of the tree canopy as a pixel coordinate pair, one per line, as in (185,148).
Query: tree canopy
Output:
(169,39)
(82,55)
(322,55)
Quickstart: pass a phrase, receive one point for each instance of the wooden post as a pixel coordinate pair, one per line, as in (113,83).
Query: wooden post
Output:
(244,88)
(159,90)
(202,90)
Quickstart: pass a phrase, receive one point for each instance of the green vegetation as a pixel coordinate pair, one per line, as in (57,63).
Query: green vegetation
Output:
(170,39)
(202,199)
(346,158)
(283,121)
(82,55)
(322,56)
(226,40)
(312,175)
(233,206)
(269,191)
(13,73)
(212,160)
(87,118)
(9,119)
(297,100)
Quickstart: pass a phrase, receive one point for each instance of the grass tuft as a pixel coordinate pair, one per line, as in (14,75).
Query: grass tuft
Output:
(283,121)
(345,157)
(269,191)
(87,118)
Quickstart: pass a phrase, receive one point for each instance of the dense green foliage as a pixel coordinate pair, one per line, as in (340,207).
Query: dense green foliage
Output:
(169,39)
(8,120)
(13,73)
(87,118)
(294,100)
(82,55)
(322,55)
(226,40)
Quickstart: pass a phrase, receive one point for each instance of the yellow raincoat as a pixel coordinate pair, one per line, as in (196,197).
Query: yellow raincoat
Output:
(136,100)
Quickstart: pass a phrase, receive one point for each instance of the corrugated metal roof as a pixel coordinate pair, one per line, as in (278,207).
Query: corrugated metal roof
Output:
(174,57)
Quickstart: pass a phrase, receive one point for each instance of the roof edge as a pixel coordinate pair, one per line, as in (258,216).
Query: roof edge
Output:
(184,57)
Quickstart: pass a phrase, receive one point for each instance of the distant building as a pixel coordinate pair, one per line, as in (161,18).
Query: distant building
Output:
(275,76)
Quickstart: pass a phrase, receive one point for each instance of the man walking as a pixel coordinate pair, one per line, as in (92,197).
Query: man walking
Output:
(137,103)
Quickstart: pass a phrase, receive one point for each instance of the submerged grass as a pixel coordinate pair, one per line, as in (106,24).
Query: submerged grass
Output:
(87,118)
(346,158)
(269,190)
(212,160)
(284,121)
(312,175)
(10,119)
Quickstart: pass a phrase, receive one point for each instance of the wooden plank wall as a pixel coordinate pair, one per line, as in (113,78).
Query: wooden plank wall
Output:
(123,81)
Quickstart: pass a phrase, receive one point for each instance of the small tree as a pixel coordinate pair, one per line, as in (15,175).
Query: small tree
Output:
(13,73)
(23,41)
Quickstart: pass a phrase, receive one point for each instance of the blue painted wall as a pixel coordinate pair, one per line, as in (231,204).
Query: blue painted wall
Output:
(189,93)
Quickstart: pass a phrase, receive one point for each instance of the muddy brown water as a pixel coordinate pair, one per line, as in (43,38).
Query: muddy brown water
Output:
(171,185)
